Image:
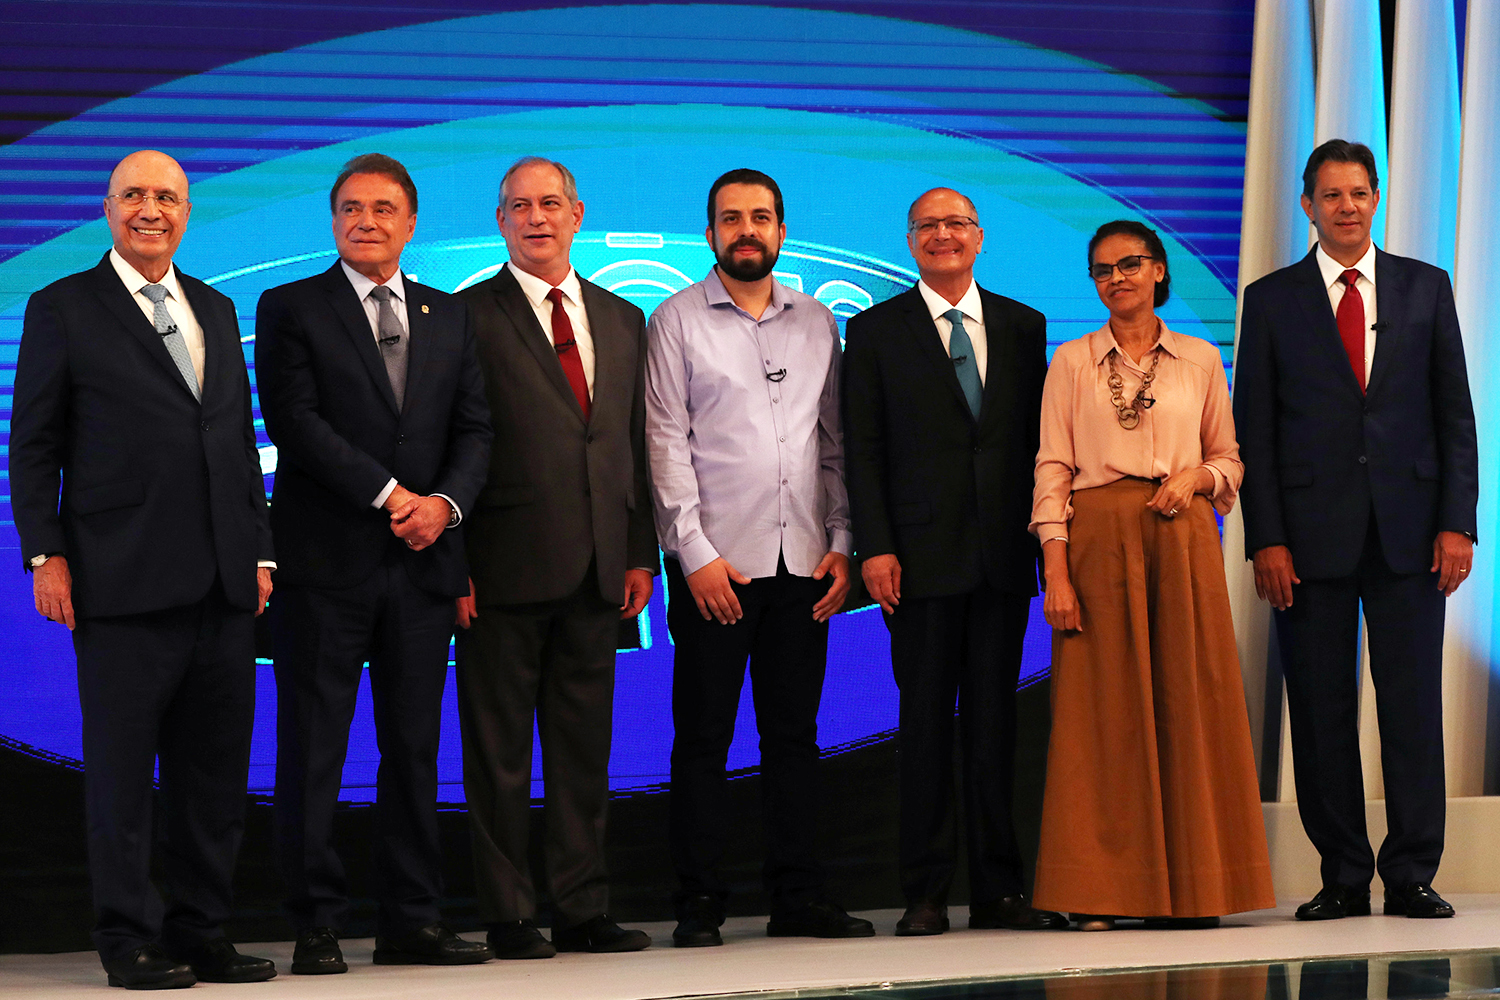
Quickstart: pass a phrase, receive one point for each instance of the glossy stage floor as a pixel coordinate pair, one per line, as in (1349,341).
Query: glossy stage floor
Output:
(1262,956)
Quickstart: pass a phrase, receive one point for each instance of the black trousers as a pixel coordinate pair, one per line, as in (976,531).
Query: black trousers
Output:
(965,647)
(787,651)
(552,662)
(322,638)
(1319,640)
(176,686)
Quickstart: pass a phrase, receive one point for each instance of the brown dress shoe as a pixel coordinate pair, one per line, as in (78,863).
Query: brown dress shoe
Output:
(923,920)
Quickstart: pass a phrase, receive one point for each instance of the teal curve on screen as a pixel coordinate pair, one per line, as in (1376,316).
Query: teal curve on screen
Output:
(646,120)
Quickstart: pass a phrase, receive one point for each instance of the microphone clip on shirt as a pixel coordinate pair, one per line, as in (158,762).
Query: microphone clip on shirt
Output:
(776,376)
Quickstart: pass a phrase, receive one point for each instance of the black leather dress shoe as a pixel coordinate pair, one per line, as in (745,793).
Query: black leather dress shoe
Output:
(819,919)
(216,961)
(317,953)
(1415,899)
(1335,901)
(431,945)
(599,935)
(698,921)
(923,920)
(518,939)
(1014,913)
(147,968)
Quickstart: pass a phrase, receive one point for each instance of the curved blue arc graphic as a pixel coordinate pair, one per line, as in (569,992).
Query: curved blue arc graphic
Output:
(846,117)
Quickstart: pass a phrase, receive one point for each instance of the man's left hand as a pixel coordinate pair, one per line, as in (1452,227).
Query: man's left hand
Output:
(637,592)
(835,564)
(420,521)
(263,584)
(1452,558)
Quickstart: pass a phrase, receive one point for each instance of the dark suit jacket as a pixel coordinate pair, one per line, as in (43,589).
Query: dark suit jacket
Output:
(330,411)
(1320,457)
(159,493)
(949,495)
(560,491)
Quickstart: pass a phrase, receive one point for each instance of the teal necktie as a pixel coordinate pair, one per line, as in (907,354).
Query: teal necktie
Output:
(961,350)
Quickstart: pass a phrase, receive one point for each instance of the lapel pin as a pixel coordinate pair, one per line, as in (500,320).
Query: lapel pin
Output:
(424,309)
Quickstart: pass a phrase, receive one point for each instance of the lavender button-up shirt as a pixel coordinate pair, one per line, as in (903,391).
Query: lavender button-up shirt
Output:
(742,466)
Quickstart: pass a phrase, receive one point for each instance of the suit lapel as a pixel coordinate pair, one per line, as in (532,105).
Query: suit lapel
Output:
(120,302)
(346,304)
(1312,297)
(516,307)
(999,377)
(419,338)
(609,346)
(1390,292)
(924,335)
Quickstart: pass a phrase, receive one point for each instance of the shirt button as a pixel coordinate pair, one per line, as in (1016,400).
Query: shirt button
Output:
(775,399)
(784,482)
(783,439)
(783,524)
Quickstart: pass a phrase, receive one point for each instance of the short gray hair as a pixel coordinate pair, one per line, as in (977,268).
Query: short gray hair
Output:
(570,184)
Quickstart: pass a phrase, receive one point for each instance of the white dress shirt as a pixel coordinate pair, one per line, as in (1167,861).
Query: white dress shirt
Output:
(1332,271)
(535,290)
(973,312)
(363,286)
(176,303)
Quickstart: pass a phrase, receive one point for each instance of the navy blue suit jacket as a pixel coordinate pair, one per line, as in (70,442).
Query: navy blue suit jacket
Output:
(1321,458)
(330,411)
(159,493)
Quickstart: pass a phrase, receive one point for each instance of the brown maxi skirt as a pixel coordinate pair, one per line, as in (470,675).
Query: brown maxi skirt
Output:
(1152,807)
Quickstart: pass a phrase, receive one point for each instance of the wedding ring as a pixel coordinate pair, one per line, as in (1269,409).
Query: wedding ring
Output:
(1172,511)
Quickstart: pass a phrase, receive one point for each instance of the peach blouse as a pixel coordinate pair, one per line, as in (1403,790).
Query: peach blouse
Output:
(1083,444)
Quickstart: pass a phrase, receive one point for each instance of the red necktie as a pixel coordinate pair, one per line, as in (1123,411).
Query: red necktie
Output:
(1351,317)
(572,364)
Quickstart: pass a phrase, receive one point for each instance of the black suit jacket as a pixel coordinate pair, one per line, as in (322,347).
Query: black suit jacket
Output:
(330,411)
(559,491)
(1321,458)
(159,494)
(948,494)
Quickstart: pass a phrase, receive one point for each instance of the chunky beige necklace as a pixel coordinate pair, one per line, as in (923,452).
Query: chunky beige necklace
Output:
(1130,413)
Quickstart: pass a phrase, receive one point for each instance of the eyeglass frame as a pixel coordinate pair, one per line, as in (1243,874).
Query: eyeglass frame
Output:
(124,200)
(1116,266)
(943,223)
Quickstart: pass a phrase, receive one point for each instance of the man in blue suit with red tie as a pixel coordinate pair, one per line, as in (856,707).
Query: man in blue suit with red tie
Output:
(1361,482)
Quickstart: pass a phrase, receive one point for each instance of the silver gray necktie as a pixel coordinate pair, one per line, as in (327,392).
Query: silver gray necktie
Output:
(393,343)
(171,337)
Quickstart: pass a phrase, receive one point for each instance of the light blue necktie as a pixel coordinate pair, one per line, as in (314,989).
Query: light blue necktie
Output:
(961,350)
(171,337)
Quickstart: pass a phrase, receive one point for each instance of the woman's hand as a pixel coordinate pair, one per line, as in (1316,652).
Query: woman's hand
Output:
(1060,606)
(1173,496)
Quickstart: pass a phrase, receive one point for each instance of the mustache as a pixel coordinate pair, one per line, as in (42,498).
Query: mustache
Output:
(748,241)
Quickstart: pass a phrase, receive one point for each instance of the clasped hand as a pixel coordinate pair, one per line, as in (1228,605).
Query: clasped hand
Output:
(417,519)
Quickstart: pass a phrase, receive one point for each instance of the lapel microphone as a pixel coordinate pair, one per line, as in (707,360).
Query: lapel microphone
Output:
(565,346)
(1380,325)
(960,360)
(776,376)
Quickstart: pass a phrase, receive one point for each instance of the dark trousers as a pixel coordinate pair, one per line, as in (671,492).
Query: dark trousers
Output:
(1319,639)
(322,638)
(554,662)
(178,686)
(787,651)
(965,647)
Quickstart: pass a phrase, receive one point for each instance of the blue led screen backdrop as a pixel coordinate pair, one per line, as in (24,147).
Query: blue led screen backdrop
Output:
(854,113)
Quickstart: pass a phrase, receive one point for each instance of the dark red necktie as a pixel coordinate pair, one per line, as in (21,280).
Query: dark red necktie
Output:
(572,365)
(1351,317)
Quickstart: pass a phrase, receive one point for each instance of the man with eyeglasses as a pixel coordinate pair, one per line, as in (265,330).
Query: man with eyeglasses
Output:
(132,402)
(742,426)
(942,400)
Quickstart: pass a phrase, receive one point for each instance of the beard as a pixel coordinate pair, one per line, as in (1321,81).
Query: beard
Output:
(747,269)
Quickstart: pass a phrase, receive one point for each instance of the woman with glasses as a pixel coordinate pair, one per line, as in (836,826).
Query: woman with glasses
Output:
(1152,807)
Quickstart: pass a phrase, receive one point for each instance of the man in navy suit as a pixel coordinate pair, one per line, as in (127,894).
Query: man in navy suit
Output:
(374,399)
(1361,481)
(942,400)
(131,390)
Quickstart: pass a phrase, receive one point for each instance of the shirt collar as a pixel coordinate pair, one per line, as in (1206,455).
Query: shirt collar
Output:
(718,295)
(1332,269)
(1102,342)
(969,305)
(135,280)
(535,289)
(363,285)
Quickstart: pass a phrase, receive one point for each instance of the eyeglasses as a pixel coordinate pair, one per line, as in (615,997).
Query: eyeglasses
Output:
(957,224)
(1127,266)
(135,199)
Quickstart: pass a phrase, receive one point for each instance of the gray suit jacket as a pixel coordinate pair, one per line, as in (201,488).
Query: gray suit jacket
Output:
(560,491)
